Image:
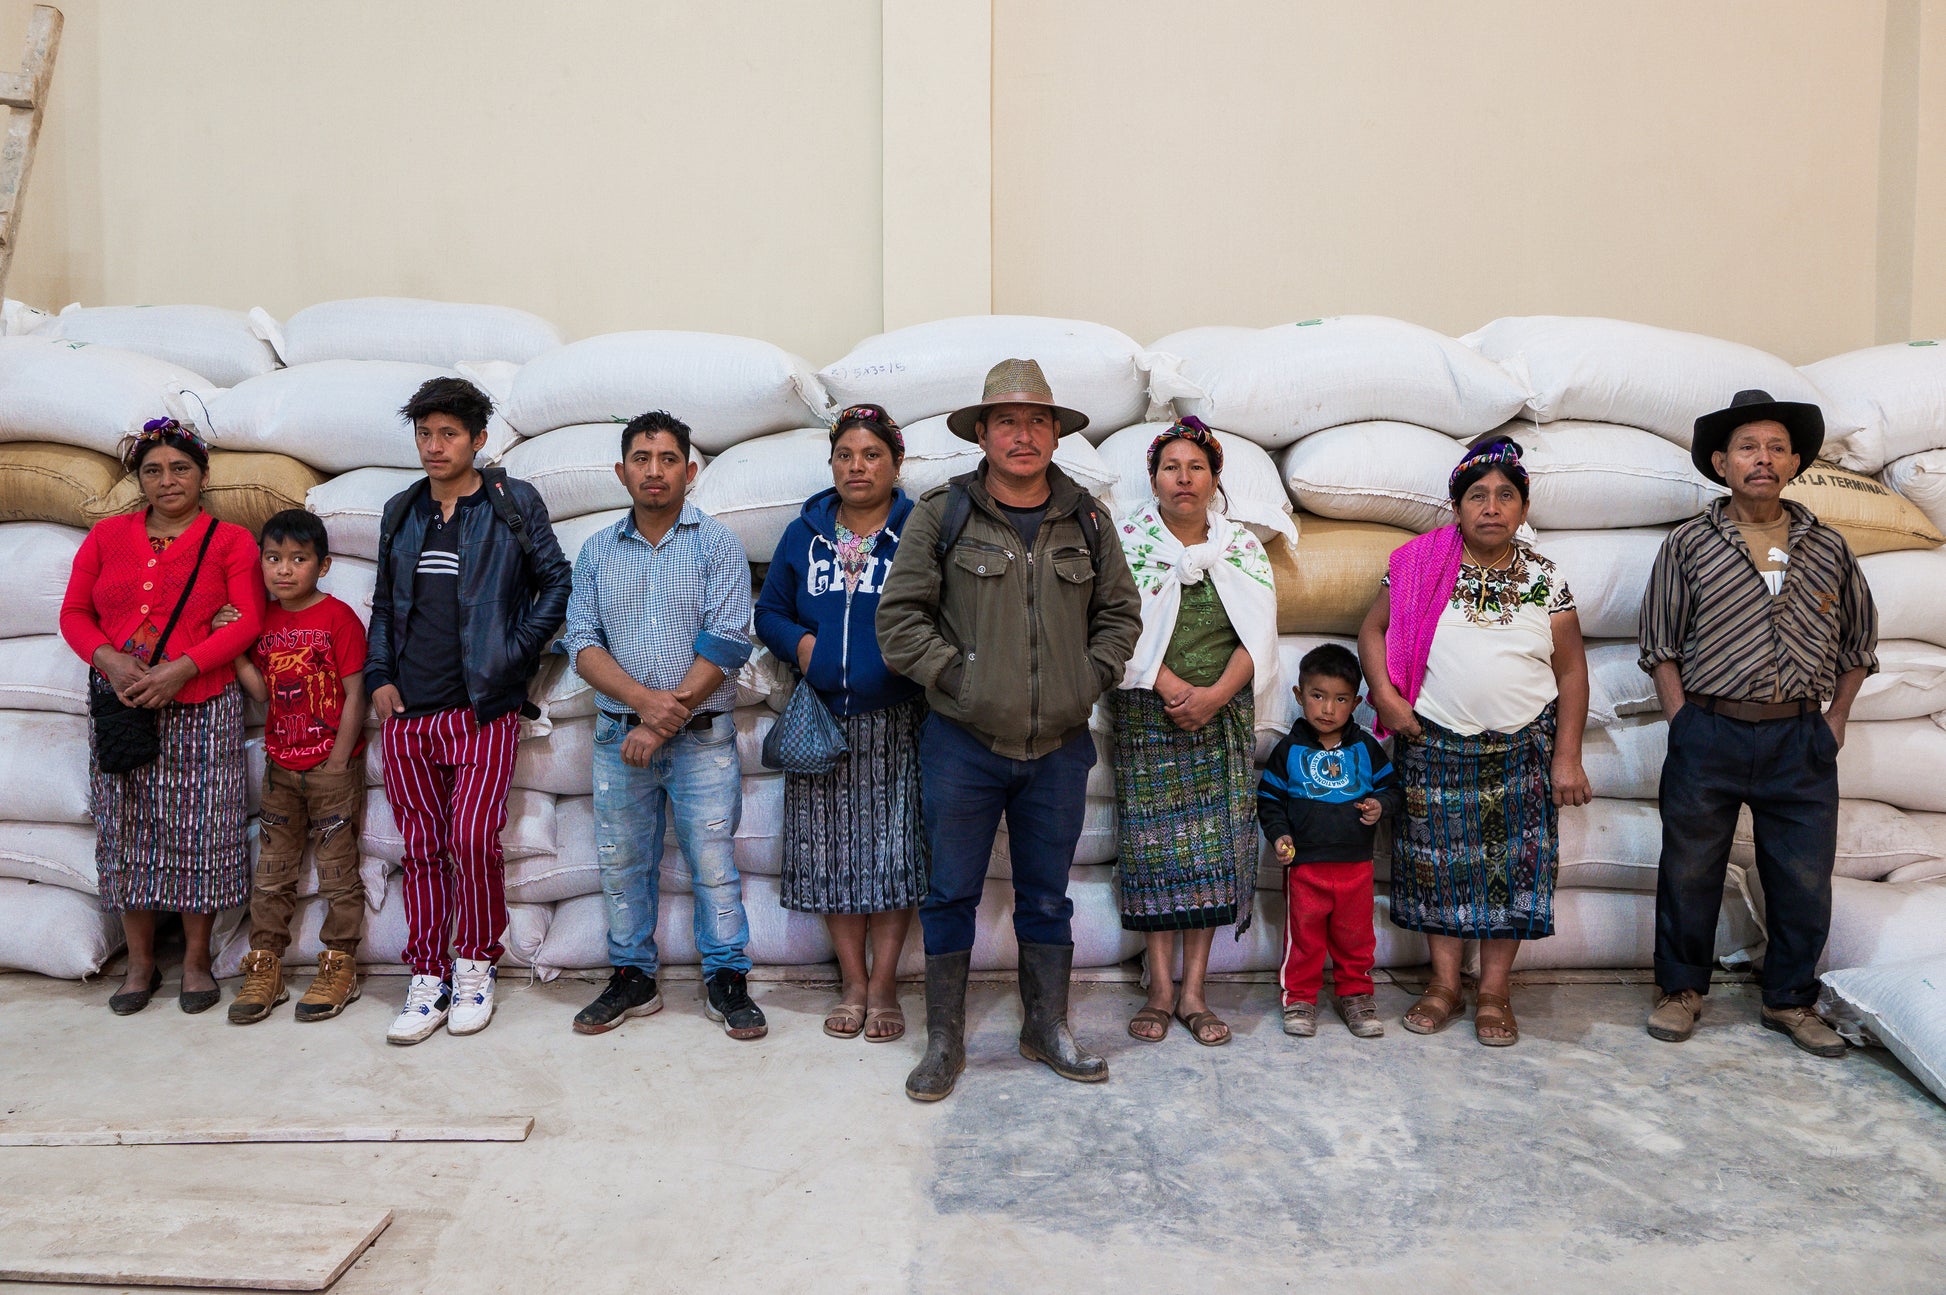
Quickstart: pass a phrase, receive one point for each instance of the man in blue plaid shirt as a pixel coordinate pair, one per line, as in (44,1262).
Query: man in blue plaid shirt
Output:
(659,624)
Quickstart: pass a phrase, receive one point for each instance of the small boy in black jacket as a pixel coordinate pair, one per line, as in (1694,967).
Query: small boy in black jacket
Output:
(1320,799)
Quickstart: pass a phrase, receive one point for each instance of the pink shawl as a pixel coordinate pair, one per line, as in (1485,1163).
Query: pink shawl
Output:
(1423,572)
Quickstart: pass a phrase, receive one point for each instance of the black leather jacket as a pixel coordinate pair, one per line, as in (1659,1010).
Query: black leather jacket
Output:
(509,605)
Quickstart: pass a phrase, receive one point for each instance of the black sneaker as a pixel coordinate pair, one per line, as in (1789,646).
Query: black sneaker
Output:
(631,992)
(726,998)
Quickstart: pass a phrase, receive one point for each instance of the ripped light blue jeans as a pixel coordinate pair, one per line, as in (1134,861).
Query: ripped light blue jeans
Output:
(693,778)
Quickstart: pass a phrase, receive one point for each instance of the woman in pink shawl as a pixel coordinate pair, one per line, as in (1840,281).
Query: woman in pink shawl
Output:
(1474,655)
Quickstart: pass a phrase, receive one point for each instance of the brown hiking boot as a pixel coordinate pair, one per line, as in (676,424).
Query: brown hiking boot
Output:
(263,987)
(1807,1030)
(1675,1015)
(335,985)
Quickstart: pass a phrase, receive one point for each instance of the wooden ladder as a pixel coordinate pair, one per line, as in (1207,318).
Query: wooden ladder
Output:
(24,97)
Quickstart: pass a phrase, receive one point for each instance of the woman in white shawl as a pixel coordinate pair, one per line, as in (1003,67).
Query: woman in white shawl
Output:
(1185,725)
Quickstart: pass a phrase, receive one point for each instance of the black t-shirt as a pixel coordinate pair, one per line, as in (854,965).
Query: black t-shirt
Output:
(1026,520)
(431,676)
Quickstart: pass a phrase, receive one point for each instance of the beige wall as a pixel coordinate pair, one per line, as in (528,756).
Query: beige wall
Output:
(811,172)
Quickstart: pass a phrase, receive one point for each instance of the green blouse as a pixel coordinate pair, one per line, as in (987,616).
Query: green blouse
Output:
(1204,640)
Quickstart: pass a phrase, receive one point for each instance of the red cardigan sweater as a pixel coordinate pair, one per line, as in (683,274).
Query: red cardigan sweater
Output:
(119,581)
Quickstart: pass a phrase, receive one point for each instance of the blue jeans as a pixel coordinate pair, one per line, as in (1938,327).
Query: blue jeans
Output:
(1786,770)
(967,788)
(695,778)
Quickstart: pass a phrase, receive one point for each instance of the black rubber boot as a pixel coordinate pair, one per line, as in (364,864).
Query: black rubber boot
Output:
(1044,1032)
(937,1072)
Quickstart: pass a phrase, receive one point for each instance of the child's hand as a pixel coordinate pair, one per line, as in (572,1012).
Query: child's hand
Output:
(225,615)
(1369,810)
(1285,850)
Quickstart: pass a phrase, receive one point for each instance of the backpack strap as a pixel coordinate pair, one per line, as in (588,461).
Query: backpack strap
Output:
(959,507)
(388,527)
(503,503)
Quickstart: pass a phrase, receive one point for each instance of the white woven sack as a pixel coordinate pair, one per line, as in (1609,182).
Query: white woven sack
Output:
(1903,1007)
(1251,483)
(1934,828)
(1894,395)
(574,532)
(1617,685)
(59,854)
(1276,385)
(219,345)
(352,581)
(1610,845)
(1623,760)
(1614,371)
(72,393)
(42,672)
(1874,841)
(36,559)
(54,931)
(1906,590)
(1879,922)
(728,389)
(577,938)
(1922,479)
(939,366)
(757,489)
(573,468)
(1391,473)
(1587,475)
(549,879)
(1097,844)
(409,330)
(1897,762)
(1608,574)
(934,456)
(43,767)
(335,415)
(17,318)
(352,507)
(1910,683)
(559,763)
(758,844)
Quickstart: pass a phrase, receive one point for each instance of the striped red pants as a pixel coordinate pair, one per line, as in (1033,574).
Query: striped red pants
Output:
(447,777)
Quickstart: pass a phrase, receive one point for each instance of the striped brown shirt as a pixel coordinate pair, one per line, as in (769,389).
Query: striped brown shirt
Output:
(1707,608)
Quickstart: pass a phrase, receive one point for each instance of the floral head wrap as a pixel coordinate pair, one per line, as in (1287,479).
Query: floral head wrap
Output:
(164,431)
(1502,452)
(874,419)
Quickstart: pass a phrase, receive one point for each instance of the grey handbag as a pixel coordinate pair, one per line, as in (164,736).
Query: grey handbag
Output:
(805,738)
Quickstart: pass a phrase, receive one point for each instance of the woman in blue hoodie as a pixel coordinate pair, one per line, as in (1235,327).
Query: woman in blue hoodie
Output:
(854,838)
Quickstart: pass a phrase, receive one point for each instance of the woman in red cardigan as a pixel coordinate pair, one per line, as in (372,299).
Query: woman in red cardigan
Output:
(170,835)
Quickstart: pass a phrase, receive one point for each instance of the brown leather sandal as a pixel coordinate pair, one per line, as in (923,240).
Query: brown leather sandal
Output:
(845,1021)
(893,1016)
(1493,1021)
(1197,1022)
(1434,1011)
(1149,1016)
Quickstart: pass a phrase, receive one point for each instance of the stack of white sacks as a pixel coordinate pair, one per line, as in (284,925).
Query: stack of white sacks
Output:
(1356,420)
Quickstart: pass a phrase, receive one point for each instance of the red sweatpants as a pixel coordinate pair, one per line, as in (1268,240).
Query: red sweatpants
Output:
(447,777)
(1330,907)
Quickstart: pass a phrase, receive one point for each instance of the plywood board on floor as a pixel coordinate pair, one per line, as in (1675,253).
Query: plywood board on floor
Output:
(250,1245)
(95,1133)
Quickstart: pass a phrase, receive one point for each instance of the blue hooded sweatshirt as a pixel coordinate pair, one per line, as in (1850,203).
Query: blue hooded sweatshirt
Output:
(804,593)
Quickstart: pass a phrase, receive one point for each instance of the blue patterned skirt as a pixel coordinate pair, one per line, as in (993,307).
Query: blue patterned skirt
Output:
(1475,854)
(855,838)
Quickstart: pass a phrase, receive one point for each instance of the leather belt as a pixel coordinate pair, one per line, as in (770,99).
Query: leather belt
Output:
(698,723)
(1753,712)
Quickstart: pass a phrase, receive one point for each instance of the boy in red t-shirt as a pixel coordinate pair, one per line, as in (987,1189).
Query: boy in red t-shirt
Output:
(308,667)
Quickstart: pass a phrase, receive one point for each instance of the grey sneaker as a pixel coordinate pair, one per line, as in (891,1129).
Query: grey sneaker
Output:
(1675,1015)
(1301,1020)
(1807,1030)
(1360,1015)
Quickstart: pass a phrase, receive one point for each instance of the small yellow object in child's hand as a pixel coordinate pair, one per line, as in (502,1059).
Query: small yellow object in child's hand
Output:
(1285,850)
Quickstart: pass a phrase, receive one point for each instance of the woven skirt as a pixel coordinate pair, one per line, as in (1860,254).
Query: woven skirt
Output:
(1475,854)
(1188,814)
(855,838)
(171,835)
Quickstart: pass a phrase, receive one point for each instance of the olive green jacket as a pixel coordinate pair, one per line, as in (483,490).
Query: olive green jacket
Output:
(1015,647)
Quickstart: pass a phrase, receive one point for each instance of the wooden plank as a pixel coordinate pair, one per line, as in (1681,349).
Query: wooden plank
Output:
(249,1245)
(16,92)
(94,1133)
(26,105)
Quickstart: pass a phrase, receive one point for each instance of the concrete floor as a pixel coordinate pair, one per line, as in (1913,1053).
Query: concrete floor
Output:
(665,1157)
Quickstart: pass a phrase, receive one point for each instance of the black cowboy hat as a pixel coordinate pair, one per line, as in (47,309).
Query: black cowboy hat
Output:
(1804,422)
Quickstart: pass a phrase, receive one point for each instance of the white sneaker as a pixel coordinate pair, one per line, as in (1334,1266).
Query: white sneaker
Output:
(472,996)
(426,1003)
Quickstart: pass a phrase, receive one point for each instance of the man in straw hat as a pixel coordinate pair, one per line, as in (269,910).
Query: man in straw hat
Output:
(1012,607)
(1758,628)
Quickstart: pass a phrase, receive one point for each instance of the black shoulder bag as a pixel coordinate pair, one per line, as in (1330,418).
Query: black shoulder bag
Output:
(127,737)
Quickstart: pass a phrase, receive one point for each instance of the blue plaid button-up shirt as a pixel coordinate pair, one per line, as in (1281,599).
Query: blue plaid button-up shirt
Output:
(657,607)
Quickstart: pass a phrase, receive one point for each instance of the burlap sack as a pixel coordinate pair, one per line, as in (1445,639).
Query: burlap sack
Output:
(1327,585)
(1871,516)
(244,487)
(44,482)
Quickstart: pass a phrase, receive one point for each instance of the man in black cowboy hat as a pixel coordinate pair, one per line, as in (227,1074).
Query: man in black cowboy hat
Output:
(1758,628)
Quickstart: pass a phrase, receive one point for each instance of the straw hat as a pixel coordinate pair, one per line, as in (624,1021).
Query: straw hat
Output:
(1014,382)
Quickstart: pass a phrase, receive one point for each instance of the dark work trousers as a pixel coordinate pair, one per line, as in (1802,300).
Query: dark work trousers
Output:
(1786,770)
(967,788)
